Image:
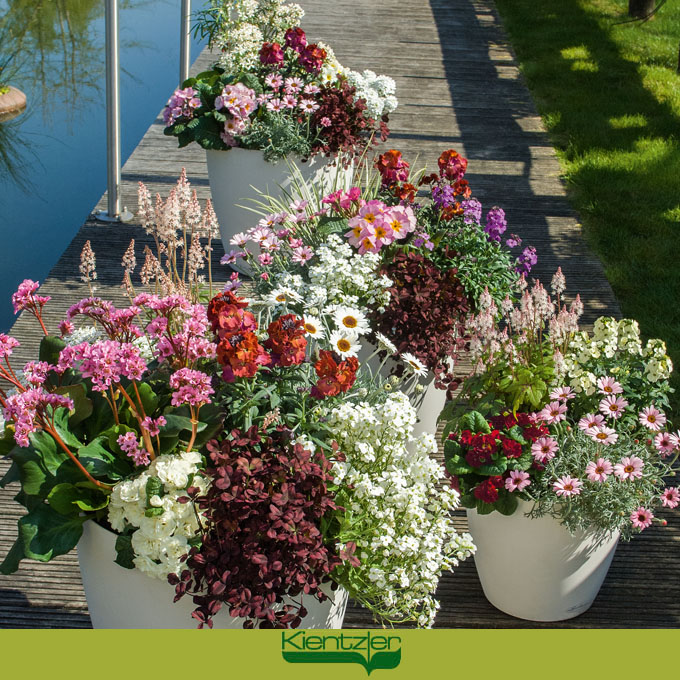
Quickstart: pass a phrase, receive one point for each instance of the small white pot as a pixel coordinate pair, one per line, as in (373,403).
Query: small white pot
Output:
(535,569)
(236,174)
(127,598)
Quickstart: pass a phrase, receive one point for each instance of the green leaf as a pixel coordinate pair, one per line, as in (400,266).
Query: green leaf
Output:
(50,348)
(475,422)
(154,487)
(68,499)
(484,508)
(62,426)
(12,475)
(506,503)
(7,442)
(11,562)
(516,433)
(177,423)
(148,396)
(457,466)
(493,469)
(153,512)
(46,533)
(82,406)
(124,552)
(100,462)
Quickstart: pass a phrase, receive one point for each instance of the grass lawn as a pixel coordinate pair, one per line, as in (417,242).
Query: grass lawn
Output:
(610,96)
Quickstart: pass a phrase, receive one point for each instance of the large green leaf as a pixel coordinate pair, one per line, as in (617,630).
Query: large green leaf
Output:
(101,418)
(69,499)
(475,422)
(11,562)
(124,552)
(100,462)
(497,467)
(82,405)
(148,396)
(50,348)
(64,430)
(506,503)
(46,533)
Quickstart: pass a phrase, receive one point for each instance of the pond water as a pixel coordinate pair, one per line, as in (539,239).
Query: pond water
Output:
(53,156)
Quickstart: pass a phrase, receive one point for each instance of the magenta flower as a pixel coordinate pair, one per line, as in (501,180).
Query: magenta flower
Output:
(590,422)
(517,481)
(153,425)
(35,372)
(553,413)
(652,418)
(29,409)
(192,387)
(567,486)
(603,435)
(641,518)
(613,406)
(670,497)
(563,393)
(599,470)
(130,445)
(272,54)
(608,386)
(630,468)
(544,449)
(25,297)
(664,443)
(7,344)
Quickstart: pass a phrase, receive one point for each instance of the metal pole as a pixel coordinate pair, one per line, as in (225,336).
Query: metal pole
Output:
(113,150)
(185,41)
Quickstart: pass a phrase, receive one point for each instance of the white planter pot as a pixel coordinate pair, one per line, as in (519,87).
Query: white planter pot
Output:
(236,175)
(429,405)
(535,569)
(127,598)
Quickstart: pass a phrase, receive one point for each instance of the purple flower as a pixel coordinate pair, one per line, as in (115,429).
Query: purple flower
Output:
(472,211)
(513,241)
(495,223)
(443,196)
(526,260)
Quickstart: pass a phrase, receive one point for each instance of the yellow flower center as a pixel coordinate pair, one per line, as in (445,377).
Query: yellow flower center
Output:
(280,297)
(370,218)
(310,328)
(350,322)
(344,345)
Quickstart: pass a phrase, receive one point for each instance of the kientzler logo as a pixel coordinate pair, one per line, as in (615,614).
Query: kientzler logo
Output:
(371,651)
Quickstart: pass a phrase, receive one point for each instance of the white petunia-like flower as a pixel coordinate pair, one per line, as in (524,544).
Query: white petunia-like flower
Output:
(282,296)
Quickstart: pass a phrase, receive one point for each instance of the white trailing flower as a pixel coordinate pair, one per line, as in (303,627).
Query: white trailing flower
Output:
(377,91)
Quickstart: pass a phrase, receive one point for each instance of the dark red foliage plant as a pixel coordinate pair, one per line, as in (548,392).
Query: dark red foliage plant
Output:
(426,314)
(261,539)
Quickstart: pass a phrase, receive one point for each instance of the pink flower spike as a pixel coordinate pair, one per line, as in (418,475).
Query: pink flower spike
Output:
(609,386)
(553,413)
(603,435)
(652,418)
(670,497)
(563,393)
(544,449)
(590,422)
(664,444)
(599,471)
(517,481)
(567,486)
(641,518)
(629,468)
(613,406)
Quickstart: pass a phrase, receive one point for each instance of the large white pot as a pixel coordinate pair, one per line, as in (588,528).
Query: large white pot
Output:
(535,569)
(236,174)
(127,598)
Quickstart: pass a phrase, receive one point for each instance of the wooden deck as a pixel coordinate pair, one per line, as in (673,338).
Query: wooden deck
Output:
(458,86)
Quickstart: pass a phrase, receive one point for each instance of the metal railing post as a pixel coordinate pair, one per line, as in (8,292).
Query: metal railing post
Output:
(185,41)
(113,152)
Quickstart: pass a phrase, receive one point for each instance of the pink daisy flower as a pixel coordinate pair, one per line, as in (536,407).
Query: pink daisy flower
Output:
(613,406)
(599,470)
(563,393)
(302,255)
(275,105)
(308,105)
(670,497)
(590,421)
(274,80)
(652,418)
(294,85)
(517,481)
(630,467)
(543,449)
(675,439)
(312,89)
(609,386)
(664,444)
(567,486)
(290,101)
(265,259)
(641,518)
(553,413)
(603,435)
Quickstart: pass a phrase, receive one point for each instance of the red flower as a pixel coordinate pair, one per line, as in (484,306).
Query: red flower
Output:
(511,448)
(312,58)
(241,355)
(334,377)
(271,53)
(487,490)
(404,192)
(451,211)
(462,188)
(452,165)
(504,421)
(392,167)
(296,39)
(226,314)
(287,342)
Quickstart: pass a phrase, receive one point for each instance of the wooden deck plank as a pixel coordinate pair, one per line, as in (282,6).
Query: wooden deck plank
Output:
(459,86)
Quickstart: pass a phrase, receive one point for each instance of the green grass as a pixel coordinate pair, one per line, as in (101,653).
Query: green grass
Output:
(610,97)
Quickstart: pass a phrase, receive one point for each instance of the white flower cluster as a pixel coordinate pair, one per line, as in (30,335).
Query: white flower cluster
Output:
(159,541)
(332,68)
(399,517)
(246,24)
(378,91)
(618,345)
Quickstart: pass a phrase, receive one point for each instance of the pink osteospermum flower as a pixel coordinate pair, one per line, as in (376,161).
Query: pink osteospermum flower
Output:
(517,481)
(553,413)
(599,470)
(608,386)
(543,449)
(629,467)
(674,439)
(290,101)
(273,80)
(293,85)
(670,497)
(590,422)
(664,444)
(603,435)
(308,105)
(303,254)
(567,486)
(276,105)
(652,418)
(563,393)
(641,518)
(613,406)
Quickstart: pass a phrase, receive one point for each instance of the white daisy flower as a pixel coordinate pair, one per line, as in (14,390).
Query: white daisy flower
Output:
(415,364)
(345,343)
(351,319)
(282,296)
(385,343)
(314,327)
